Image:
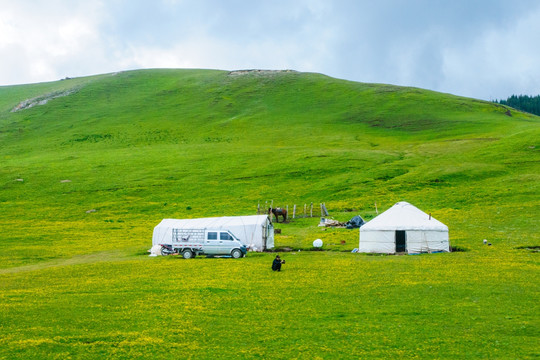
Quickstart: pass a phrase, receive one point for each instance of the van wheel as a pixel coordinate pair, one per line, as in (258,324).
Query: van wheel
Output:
(187,254)
(236,254)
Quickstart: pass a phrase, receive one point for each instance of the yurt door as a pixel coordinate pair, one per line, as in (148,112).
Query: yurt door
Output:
(401,242)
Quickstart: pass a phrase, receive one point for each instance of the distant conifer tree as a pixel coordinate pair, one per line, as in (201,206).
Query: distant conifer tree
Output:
(530,104)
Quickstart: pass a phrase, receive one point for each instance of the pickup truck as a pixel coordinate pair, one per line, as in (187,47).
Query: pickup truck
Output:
(192,242)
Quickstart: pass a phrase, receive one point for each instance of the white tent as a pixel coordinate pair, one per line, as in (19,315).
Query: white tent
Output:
(403,228)
(254,231)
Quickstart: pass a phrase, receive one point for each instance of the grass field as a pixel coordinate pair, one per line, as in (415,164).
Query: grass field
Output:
(85,177)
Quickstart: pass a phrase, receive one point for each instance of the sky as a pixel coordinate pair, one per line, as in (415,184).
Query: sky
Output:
(485,49)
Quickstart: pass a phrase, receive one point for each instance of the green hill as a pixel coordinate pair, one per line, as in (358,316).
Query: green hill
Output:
(88,173)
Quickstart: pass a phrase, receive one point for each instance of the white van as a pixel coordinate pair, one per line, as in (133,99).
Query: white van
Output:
(193,242)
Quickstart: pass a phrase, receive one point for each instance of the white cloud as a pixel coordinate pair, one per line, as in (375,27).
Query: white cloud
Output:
(479,49)
(39,38)
(500,62)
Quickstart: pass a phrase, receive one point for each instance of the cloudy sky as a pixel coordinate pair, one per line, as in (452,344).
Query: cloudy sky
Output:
(487,49)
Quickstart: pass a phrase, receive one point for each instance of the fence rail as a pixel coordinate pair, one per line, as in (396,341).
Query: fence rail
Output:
(308,209)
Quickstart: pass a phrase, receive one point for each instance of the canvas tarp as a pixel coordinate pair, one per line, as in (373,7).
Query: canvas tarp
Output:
(355,222)
(423,233)
(254,231)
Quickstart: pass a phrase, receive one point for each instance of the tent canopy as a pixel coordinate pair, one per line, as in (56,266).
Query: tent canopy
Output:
(255,231)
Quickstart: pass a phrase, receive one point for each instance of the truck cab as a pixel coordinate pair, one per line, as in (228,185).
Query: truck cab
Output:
(222,242)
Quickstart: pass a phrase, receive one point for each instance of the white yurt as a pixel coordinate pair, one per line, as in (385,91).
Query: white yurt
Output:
(254,231)
(404,228)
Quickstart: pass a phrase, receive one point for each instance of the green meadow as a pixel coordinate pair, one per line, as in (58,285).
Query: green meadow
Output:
(97,162)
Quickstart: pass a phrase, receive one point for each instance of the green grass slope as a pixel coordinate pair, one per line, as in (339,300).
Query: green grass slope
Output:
(86,176)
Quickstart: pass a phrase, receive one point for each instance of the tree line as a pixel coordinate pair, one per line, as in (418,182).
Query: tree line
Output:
(530,104)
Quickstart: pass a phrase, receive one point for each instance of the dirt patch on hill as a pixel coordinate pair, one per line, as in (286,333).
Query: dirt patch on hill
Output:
(259,72)
(42,99)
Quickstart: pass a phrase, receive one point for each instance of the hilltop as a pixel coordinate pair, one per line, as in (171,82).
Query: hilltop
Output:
(143,145)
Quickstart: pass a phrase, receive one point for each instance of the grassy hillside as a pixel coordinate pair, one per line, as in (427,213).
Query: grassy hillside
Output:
(86,176)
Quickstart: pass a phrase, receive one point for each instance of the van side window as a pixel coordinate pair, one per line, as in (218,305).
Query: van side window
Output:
(225,236)
(212,235)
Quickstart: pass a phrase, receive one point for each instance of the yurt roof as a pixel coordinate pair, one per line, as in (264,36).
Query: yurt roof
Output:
(404,216)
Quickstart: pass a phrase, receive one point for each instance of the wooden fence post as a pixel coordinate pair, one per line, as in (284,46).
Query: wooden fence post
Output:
(324,209)
(294,211)
(305,210)
(287,216)
(311,210)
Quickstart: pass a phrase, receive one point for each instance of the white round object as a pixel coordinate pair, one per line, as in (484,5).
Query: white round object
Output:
(317,243)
